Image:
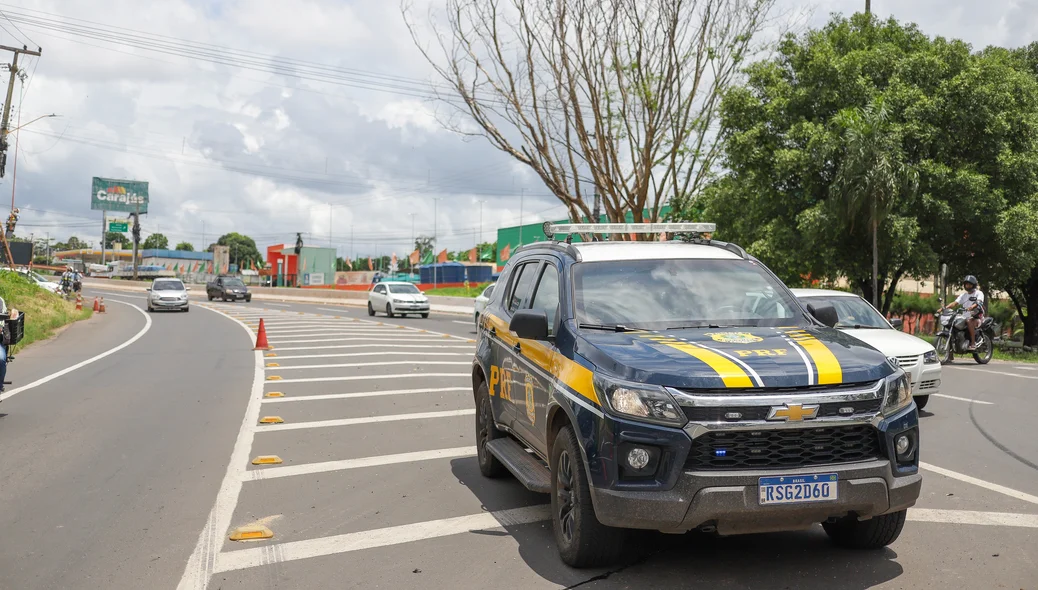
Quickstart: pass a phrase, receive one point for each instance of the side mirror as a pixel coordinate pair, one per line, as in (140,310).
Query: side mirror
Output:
(530,324)
(147,289)
(898,323)
(187,288)
(824,313)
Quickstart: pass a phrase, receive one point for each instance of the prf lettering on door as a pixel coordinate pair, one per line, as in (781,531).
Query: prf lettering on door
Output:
(502,377)
(762,352)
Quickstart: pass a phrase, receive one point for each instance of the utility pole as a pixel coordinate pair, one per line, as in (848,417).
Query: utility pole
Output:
(868,6)
(136,236)
(410,267)
(522,197)
(4,124)
(436,202)
(481,201)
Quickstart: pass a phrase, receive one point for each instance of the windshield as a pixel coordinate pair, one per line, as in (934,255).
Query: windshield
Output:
(403,289)
(167,286)
(853,312)
(657,294)
(233,283)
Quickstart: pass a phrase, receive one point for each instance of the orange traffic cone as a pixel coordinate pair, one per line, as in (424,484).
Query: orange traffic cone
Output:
(102,306)
(97,308)
(261,337)
(79,302)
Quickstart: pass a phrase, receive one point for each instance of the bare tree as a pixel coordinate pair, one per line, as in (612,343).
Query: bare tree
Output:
(615,97)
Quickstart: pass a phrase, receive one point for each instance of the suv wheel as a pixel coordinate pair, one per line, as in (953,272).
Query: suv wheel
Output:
(874,533)
(371,310)
(920,401)
(389,310)
(581,539)
(486,431)
(210,296)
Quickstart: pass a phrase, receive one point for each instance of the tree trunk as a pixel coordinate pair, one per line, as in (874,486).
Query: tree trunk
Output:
(1031,319)
(868,6)
(888,295)
(875,259)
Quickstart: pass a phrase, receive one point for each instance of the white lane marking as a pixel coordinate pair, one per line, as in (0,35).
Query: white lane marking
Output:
(962,399)
(973,517)
(326,466)
(327,396)
(366,420)
(1003,373)
(321,332)
(202,562)
(994,487)
(316,340)
(472,324)
(276,304)
(330,309)
(363,377)
(121,295)
(381,364)
(409,353)
(67,370)
(384,537)
(372,344)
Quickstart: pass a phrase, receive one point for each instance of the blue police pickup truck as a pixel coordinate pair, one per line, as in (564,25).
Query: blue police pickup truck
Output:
(680,386)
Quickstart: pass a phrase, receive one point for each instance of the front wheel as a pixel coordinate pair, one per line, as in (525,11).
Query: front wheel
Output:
(874,533)
(944,349)
(371,310)
(582,540)
(985,351)
(921,401)
(210,296)
(425,316)
(248,299)
(389,310)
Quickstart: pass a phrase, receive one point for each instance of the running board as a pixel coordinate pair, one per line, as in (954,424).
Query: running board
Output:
(526,467)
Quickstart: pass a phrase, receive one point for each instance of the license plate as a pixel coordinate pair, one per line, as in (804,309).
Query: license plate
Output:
(798,489)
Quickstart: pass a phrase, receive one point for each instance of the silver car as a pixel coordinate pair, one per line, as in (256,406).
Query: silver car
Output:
(168,294)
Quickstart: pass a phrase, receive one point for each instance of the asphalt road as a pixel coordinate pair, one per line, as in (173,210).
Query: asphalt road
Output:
(131,471)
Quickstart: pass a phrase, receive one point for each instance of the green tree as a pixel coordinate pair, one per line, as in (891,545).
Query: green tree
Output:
(185,247)
(155,241)
(241,248)
(114,237)
(872,173)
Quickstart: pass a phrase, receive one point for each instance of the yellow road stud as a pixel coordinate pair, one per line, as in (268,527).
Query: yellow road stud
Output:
(267,460)
(269,354)
(271,420)
(275,394)
(251,533)
(273,365)
(470,340)
(273,378)
(381,324)
(401,327)
(338,317)
(446,335)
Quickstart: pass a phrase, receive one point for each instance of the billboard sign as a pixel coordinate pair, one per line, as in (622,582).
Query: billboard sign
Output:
(110,194)
(121,226)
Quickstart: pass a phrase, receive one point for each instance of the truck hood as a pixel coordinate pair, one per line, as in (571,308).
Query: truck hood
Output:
(735,358)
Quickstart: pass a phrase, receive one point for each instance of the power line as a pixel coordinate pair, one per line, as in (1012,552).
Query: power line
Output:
(17,29)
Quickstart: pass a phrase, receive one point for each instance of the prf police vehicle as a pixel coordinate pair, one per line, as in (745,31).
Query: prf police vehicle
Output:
(680,385)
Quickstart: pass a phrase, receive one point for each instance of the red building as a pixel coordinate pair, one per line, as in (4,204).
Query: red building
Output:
(284,264)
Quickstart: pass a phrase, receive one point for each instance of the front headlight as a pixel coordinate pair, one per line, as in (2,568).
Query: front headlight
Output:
(899,393)
(649,403)
(930,357)
(395,300)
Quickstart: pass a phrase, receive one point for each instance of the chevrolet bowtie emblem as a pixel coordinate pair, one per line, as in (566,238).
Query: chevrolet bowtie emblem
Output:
(793,412)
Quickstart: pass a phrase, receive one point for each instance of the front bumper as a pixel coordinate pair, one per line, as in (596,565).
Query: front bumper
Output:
(926,380)
(410,307)
(169,304)
(729,501)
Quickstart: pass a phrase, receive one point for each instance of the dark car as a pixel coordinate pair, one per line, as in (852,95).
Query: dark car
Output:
(228,288)
(681,386)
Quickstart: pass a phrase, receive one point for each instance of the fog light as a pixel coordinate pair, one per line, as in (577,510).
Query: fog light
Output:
(903,443)
(638,458)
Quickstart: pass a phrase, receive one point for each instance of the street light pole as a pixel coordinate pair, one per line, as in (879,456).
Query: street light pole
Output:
(413,243)
(436,202)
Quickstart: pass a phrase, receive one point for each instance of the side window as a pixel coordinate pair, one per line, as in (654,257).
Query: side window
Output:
(380,289)
(520,294)
(546,298)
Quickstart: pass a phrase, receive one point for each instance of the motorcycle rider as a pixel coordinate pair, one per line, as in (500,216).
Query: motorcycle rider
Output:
(66,280)
(972,301)
(5,314)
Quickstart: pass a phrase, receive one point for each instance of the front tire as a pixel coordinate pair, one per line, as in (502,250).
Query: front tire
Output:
(486,431)
(425,316)
(921,401)
(944,350)
(371,310)
(874,533)
(209,295)
(389,310)
(248,299)
(582,540)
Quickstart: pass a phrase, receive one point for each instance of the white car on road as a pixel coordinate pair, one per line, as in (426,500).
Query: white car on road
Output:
(168,294)
(397,298)
(859,319)
(482,300)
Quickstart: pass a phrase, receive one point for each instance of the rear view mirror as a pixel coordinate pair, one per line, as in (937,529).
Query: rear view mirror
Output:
(824,313)
(187,288)
(897,323)
(530,324)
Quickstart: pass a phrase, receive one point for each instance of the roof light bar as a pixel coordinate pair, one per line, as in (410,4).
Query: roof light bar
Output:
(552,229)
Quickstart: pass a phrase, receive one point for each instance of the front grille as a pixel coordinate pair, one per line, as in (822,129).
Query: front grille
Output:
(168,298)
(748,413)
(786,448)
(928,384)
(908,361)
(774,390)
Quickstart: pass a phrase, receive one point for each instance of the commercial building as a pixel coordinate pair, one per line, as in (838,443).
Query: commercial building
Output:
(312,267)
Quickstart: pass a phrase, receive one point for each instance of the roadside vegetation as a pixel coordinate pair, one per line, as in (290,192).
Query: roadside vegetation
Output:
(472,291)
(46,312)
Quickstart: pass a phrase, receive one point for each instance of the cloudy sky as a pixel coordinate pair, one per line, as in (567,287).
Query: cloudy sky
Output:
(340,143)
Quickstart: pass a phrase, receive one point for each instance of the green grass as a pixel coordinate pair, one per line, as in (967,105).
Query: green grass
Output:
(45,311)
(472,291)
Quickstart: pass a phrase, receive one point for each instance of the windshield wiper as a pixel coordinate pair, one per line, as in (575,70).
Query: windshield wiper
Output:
(694,326)
(614,328)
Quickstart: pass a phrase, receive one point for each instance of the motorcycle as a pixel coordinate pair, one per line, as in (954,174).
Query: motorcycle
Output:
(953,337)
